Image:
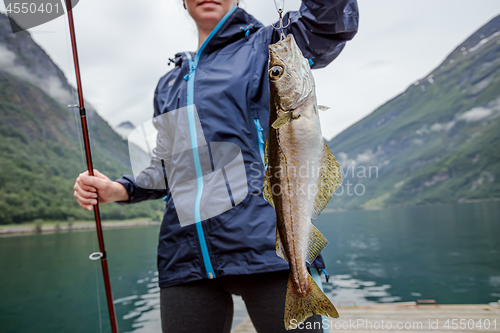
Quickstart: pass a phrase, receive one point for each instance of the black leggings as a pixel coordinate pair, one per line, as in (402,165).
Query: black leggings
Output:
(207,306)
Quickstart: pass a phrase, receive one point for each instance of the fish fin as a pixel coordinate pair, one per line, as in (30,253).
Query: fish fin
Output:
(298,309)
(317,243)
(280,249)
(266,154)
(284,119)
(266,187)
(323,108)
(330,178)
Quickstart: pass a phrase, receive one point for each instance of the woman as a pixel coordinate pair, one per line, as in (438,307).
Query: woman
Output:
(222,90)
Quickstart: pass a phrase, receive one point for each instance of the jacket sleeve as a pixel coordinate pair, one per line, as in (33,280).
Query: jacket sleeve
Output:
(321,28)
(150,183)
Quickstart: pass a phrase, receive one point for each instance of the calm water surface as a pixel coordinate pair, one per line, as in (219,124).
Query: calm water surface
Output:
(447,253)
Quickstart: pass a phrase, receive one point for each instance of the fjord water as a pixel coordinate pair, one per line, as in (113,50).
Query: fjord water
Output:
(449,253)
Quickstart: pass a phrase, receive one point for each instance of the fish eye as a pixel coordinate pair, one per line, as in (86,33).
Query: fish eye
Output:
(275,72)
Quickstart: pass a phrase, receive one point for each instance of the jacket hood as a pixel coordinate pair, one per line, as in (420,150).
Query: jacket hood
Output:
(238,25)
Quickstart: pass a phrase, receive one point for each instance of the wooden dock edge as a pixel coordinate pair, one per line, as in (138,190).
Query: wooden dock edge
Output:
(386,317)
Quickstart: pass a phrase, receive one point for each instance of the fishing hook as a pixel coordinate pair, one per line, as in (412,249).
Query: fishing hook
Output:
(279,9)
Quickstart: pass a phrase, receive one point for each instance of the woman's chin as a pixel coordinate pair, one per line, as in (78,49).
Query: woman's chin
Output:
(210,17)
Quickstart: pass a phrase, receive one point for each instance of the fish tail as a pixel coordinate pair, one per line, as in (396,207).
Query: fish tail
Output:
(298,309)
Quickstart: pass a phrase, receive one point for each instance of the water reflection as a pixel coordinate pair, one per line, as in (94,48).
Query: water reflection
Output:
(447,253)
(346,290)
(142,312)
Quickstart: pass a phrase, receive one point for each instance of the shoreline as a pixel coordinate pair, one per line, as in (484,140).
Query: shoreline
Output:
(60,227)
(28,228)
(460,202)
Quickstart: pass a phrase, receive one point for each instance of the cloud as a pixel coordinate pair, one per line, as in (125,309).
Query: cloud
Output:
(475,114)
(50,85)
(442,127)
(345,162)
(124,50)
(55,89)
(418,141)
(365,157)
(484,41)
(422,130)
(7,57)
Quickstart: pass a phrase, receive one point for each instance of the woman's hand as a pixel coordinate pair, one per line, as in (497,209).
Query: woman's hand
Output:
(90,190)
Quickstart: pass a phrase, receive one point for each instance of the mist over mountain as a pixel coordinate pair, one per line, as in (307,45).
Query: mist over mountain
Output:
(41,150)
(437,142)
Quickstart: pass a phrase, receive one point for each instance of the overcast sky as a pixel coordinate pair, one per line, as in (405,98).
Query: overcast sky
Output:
(124,47)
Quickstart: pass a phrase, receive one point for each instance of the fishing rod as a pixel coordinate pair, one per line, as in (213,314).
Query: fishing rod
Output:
(83,117)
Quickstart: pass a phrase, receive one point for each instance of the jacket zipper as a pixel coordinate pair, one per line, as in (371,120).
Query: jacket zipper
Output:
(194,145)
(260,138)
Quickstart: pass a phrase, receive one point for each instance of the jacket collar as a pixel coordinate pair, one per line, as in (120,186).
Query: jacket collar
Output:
(233,29)
(238,25)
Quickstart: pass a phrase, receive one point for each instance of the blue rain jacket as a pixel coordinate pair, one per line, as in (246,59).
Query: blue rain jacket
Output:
(227,81)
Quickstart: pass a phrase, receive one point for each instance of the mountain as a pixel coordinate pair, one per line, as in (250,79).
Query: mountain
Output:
(124,129)
(41,150)
(437,142)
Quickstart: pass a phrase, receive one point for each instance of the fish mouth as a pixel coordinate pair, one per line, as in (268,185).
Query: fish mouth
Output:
(282,52)
(295,105)
(282,45)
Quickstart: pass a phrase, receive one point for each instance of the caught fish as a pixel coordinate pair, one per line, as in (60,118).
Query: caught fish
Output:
(301,177)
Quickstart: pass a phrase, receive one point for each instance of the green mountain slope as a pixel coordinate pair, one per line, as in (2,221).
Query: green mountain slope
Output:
(435,143)
(40,142)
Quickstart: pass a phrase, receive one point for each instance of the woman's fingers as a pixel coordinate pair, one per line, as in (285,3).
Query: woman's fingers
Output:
(97,187)
(93,182)
(81,184)
(84,180)
(92,189)
(84,202)
(86,192)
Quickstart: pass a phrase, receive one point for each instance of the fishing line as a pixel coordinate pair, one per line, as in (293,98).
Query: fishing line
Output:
(281,5)
(98,298)
(90,168)
(94,245)
(82,155)
(75,116)
(73,99)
